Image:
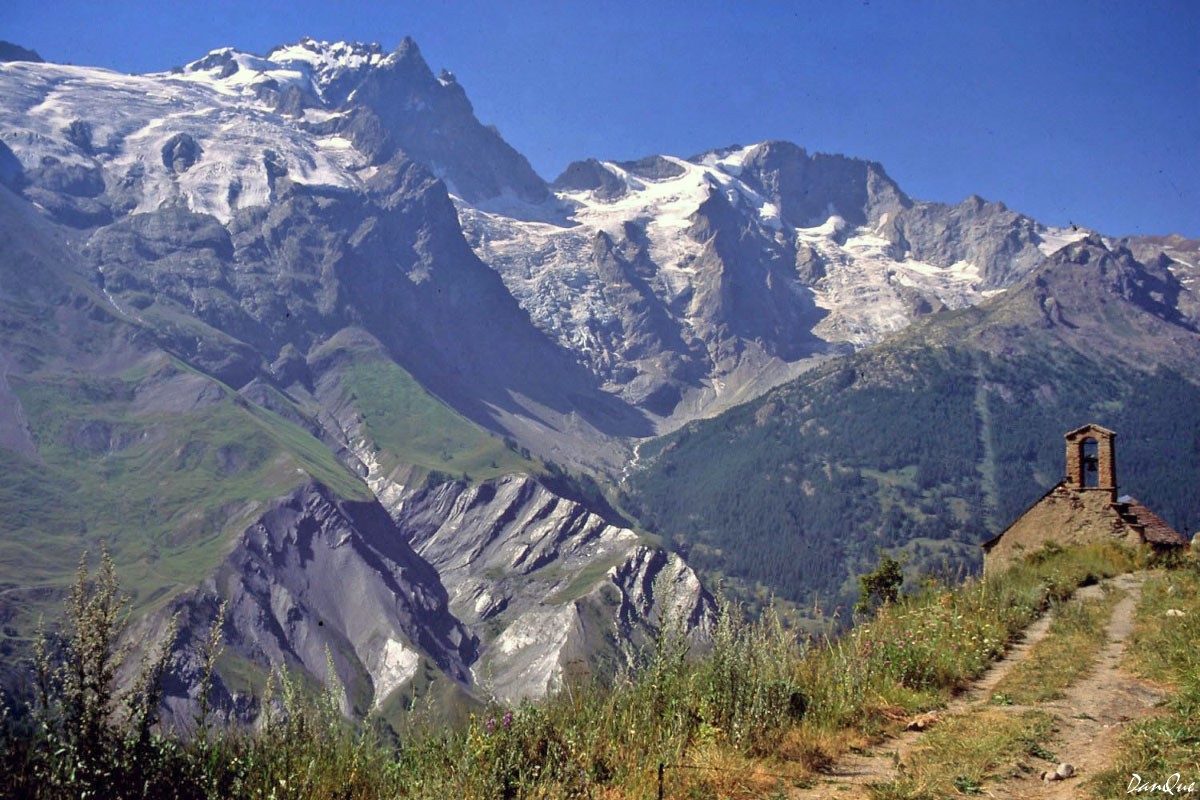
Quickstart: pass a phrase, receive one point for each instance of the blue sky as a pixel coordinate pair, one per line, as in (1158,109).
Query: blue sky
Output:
(1071,112)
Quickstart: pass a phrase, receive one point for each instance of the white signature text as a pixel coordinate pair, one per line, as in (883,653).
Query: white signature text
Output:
(1173,785)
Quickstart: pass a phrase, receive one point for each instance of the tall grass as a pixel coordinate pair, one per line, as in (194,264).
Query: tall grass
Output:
(918,651)
(756,702)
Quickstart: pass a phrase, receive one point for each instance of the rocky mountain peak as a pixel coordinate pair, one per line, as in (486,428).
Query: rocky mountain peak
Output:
(14,52)
(1089,249)
(1150,285)
(408,49)
(1004,245)
(811,188)
(1095,296)
(432,120)
(325,73)
(591,175)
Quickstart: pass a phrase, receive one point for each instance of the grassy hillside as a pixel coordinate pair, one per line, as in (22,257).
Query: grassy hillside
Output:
(412,427)
(158,463)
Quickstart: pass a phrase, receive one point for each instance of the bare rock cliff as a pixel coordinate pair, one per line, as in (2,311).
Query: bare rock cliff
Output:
(549,587)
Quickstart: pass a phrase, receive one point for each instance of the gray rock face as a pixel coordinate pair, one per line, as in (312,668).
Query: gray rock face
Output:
(180,153)
(1003,244)
(810,189)
(748,293)
(502,588)
(72,192)
(1180,259)
(549,586)
(433,122)
(79,132)
(12,174)
(1149,302)
(316,574)
(653,168)
(14,52)
(591,175)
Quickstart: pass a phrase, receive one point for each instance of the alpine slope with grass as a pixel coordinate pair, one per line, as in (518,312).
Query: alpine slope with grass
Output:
(296,335)
(903,706)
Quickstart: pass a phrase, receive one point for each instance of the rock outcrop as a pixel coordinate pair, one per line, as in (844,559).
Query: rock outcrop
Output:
(551,589)
(317,576)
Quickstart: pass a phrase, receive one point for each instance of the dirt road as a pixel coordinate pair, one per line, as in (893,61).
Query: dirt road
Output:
(1087,719)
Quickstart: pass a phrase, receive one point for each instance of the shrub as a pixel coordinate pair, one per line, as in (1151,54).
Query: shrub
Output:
(879,587)
(90,738)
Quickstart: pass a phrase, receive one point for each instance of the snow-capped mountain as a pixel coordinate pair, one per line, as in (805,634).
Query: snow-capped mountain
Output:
(214,136)
(230,292)
(211,157)
(683,286)
(320,74)
(688,285)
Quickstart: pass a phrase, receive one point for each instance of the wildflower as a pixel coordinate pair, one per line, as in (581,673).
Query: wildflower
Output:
(507,721)
(490,725)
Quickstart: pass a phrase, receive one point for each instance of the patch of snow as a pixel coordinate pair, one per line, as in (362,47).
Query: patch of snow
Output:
(769,214)
(318,115)
(861,290)
(395,666)
(731,163)
(132,117)
(1055,239)
(830,228)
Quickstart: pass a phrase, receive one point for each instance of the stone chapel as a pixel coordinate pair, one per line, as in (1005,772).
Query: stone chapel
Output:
(1083,507)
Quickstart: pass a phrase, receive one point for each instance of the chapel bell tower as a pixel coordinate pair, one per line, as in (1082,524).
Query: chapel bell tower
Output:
(1092,459)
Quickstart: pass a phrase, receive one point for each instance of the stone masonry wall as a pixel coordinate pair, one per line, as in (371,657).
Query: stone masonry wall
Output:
(1064,516)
